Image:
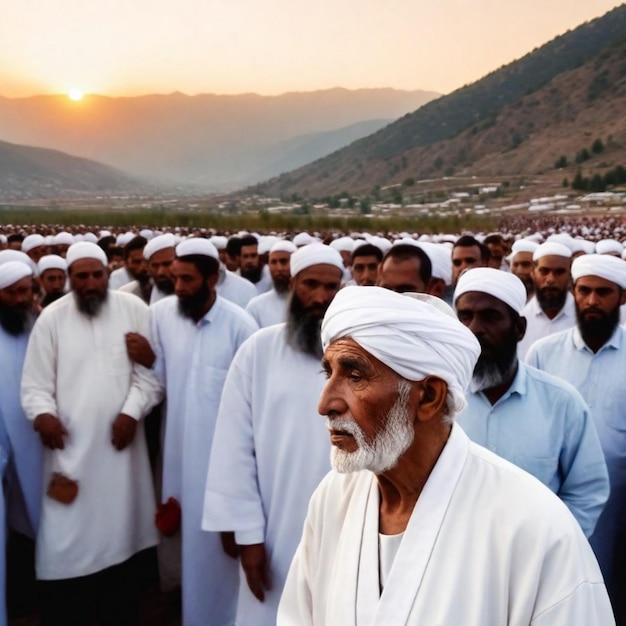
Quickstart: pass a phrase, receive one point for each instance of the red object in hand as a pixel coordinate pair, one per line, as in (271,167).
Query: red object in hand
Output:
(167,517)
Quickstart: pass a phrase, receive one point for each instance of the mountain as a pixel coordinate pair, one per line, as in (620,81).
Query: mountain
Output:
(205,139)
(28,173)
(520,119)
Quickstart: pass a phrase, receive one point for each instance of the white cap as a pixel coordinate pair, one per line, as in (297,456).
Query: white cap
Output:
(315,254)
(196,245)
(32,241)
(161,242)
(51,262)
(85,250)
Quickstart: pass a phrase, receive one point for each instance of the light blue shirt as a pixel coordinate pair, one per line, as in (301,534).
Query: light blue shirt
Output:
(600,378)
(542,424)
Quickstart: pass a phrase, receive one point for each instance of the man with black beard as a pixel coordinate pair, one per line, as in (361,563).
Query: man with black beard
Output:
(250,267)
(592,357)
(195,337)
(533,419)
(551,309)
(21,449)
(270,449)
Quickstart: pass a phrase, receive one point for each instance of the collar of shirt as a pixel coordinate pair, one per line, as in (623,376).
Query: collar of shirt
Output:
(615,342)
(209,316)
(568,309)
(518,386)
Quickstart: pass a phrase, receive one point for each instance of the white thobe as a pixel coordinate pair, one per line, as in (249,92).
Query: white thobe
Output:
(77,368)
(135,288)
(192,362)
(119,277)
(269,308)
(271,448)
(539,325)
(4,459)
(24,443)
(234,288)
(486,545)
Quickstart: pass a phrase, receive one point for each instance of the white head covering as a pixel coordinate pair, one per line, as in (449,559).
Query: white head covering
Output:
(609,246)
(552,248)
(219,241)
(283,246)
(197,245)
(51,262)
(158,243)
(3,238)
(315,254)
(603,265)
(502,285)
(523,245)
(85,250)
(17,255)
(302,239)
(411,337)
(343,244)
(12,271)
(440,260)
(146,233)
(32,241)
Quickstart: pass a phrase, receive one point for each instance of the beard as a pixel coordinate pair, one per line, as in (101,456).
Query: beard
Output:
(393,439)
(91,303)
(304,327)
(281,285)
(193,306)
(252,273)
(49,298)
(551,298)
(495,369)
(165,286)
(600,328)
(16,320)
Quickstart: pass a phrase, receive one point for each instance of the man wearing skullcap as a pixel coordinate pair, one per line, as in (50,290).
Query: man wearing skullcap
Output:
(592,357)
(196,335)
(250,267)
(551,309)
(86,398)
(269,450)
(271,307)
(529,417)
(135,266)
(34,246)
(405,267)
(364,262)
(411,502)
(52,270)
(521,262)
(61,242)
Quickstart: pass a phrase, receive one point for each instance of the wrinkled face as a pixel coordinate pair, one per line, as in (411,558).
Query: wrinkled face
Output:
(279,264)
(464,257)
(552,277)
(53,281)
(137,266)
(316,286)
(401,275)
(368,407)
(160,268)
(365,270)
(249,257)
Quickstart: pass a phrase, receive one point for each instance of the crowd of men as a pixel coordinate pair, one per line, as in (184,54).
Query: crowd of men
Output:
(162,391)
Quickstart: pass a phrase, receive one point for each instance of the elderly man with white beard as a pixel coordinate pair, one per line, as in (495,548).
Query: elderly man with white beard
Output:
(269,451)
(416,524)
(529,417)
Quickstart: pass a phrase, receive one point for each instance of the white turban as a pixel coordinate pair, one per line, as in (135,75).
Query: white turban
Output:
(146,233)
(9,255)
(609,246)
(523,245)
(157,244)
(552,248)
(12,271)
(440,260)
(197,245)
(51,262)
(315,254)
(283,246)
(303,239)
(32,241)
(219,241)
(603,265)
(343,244)
(85,250)
(502,285)
(411,337)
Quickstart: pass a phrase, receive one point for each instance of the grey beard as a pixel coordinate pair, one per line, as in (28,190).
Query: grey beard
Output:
(489,374)
(390,443)
(91,305)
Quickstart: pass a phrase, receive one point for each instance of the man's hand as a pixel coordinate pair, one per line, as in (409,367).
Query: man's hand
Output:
(124,428)
(229,545)
(51,431)
(139,350)
(254,563)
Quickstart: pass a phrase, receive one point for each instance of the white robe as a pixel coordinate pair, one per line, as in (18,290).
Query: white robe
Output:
(268,308)
(77,369)
(4,459)
(234,288)
(486,545)
(270,450)
(192,362)
(119,277)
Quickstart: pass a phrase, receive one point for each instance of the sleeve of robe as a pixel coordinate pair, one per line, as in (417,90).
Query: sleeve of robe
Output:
(232,499)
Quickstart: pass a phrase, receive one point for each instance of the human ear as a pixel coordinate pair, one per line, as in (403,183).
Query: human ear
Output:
(432,398)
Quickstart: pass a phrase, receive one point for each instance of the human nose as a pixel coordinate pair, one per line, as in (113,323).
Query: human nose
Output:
(331,402)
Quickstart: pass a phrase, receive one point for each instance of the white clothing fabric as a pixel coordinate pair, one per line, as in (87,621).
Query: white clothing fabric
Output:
(77,368)
(13,271)
(269,308)
(197,245)
(192,362)
(271,448)
(234,288)
(502,285)
(119,278)
(552,248)
(161,242)
(4,460)
(315,254)
(51,262)
(539,325)
(605,266)
(85,250)
(486,545)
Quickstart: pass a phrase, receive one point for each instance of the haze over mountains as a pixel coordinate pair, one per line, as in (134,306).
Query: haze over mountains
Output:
(205,140)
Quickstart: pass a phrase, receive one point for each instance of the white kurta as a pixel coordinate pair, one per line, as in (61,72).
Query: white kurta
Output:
(77,368)
(234,288)
(270,450)
(269,308)
(119,277)
(486,545)
(192,362)
(4,459)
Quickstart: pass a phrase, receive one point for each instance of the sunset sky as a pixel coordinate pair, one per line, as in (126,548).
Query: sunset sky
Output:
(133,47)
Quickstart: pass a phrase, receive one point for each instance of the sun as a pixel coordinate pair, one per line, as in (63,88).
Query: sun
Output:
(75,94)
